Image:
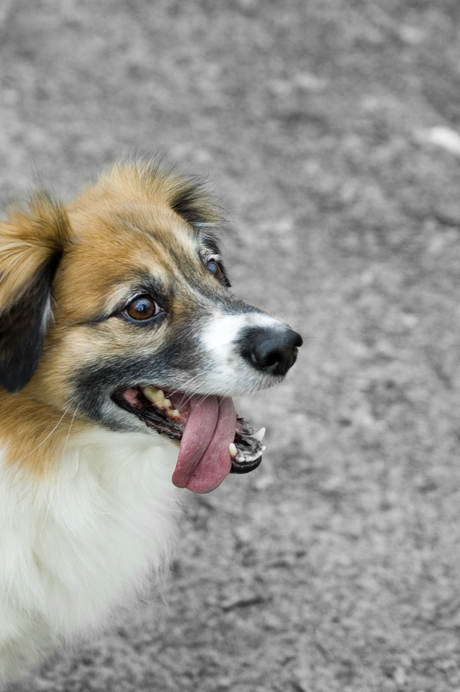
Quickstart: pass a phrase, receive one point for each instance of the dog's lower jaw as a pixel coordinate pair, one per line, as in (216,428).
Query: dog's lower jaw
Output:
(89,536)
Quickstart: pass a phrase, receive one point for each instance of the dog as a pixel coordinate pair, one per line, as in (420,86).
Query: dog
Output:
(121,346)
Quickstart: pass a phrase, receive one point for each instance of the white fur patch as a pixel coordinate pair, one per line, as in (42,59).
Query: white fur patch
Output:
(227,372)
(73,544)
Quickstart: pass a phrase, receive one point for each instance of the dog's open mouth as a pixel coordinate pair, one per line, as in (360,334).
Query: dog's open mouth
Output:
(214,441)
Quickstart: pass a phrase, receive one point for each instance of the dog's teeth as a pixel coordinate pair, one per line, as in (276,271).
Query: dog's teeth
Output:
(175,413)
(156,396)
(166,402)
(263,448)
(233,450)
(151,392)
(259,435)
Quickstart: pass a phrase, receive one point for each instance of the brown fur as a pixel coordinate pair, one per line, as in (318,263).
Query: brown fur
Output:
(28,240)
(116,227)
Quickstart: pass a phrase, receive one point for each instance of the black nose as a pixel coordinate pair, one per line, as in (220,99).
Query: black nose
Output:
(271,350)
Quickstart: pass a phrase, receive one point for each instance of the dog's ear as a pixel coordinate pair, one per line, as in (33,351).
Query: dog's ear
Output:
(32,241)
(188,198)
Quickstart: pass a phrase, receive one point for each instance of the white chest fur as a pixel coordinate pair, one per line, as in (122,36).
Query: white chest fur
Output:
(73,544)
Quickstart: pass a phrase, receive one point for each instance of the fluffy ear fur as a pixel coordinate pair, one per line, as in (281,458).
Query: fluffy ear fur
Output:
(32,241)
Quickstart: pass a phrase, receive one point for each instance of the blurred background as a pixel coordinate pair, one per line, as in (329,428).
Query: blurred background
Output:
(329,131)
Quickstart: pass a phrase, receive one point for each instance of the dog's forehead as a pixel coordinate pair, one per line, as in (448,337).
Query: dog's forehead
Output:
(117,244)
(132,230)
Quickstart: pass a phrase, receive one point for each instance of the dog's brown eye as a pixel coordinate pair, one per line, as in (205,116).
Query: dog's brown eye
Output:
(141,308)
(213,264)
(214,267)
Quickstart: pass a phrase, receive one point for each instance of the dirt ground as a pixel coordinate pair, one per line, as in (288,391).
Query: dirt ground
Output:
(328,130)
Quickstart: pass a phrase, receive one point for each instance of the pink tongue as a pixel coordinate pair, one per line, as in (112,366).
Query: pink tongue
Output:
(204,460)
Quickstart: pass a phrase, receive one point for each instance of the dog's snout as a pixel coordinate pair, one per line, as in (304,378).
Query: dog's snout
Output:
(271,350)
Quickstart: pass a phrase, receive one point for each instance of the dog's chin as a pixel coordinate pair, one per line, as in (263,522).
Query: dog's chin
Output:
(195,421)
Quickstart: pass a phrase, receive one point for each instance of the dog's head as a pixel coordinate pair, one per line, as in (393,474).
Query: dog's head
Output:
(117,307)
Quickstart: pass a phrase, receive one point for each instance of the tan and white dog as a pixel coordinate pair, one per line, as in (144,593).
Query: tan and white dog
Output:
(120,349)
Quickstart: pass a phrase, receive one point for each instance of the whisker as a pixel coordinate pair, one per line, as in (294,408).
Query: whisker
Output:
(70,428)
(25,492)
(48,436)
(187,384)
(285,314)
